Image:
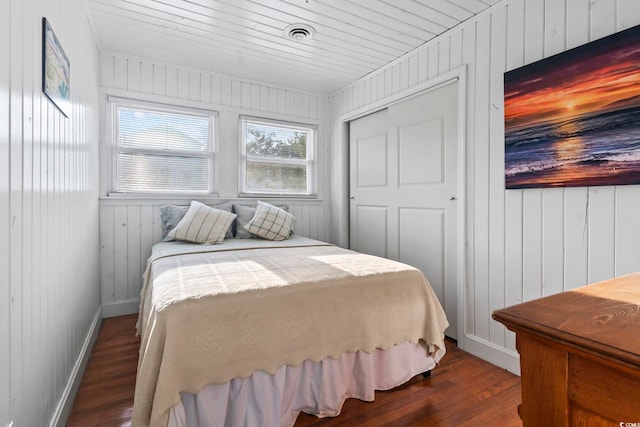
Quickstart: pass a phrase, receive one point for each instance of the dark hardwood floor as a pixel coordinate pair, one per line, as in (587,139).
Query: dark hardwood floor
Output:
(462,391)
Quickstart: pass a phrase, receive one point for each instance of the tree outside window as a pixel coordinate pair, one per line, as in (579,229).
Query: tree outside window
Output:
(277,158)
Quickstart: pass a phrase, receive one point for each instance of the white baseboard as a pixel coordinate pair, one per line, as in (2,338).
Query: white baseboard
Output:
(65,404)
(492,353)
(120,308)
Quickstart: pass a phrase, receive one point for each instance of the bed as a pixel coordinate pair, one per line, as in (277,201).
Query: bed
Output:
(251,332)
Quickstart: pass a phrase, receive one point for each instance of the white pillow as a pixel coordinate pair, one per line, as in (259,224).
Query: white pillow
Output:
(270,222)
(202,224)
(171,215)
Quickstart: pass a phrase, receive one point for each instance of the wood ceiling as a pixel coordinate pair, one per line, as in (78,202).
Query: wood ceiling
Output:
(246,38)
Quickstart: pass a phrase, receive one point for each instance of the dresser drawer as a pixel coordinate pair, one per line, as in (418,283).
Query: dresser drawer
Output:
(602,389)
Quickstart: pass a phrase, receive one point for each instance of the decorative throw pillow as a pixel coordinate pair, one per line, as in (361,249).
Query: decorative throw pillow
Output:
(245,215)
(170,216)
(270,222)
(203,224)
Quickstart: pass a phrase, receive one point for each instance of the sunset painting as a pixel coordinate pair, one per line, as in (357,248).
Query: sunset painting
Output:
(573,119)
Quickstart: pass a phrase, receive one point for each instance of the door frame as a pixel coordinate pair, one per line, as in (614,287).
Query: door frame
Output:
(460,75)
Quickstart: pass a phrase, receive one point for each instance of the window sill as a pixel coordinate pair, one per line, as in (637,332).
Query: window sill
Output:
(127,199)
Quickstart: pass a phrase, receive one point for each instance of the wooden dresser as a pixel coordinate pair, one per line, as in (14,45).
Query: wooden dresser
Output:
(580,355)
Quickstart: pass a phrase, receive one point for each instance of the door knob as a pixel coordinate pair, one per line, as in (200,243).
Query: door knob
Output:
(452,198)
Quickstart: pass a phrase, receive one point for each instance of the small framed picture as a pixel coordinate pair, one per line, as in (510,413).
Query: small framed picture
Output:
(55,70)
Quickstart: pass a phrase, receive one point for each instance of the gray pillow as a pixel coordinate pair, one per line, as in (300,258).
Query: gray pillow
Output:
(203,224)
(171,215)
(245,213)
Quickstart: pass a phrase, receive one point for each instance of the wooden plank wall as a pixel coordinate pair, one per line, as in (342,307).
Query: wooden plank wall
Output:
(129,226)
(49,259)
(521,244)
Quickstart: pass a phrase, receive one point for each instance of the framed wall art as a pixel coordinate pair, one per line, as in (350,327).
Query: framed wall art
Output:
(55,70)
(573,119)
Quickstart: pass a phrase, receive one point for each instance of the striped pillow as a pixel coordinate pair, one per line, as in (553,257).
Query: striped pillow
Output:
(203,224)
(270,222)
(171,215)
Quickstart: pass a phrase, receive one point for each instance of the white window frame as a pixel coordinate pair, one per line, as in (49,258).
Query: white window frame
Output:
(309,162)
(114,103)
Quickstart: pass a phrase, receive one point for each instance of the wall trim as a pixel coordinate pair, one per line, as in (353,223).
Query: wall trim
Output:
(115,199)
(92,25)
(120,308)
(458,73)
(107,92)
(65,404)
(492,353)
(206,71)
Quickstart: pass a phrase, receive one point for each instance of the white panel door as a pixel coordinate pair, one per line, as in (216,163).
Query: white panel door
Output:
(369,150)
(403,184)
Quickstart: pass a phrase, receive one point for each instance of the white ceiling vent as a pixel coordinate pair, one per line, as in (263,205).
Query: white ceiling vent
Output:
(300,32)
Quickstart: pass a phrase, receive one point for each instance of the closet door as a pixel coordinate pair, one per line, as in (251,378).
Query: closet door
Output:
(403,184)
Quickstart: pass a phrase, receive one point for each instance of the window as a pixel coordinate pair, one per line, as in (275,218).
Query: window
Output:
(276,158)
(162,150)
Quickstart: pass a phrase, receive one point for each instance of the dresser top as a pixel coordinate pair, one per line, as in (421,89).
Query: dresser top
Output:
(602,318)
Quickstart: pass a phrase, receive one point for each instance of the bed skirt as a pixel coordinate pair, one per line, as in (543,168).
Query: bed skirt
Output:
(318,388)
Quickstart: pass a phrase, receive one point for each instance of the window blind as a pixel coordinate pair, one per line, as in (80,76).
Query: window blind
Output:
(163,151)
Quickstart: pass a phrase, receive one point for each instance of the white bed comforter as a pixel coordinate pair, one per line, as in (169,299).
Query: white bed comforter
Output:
(210,314)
